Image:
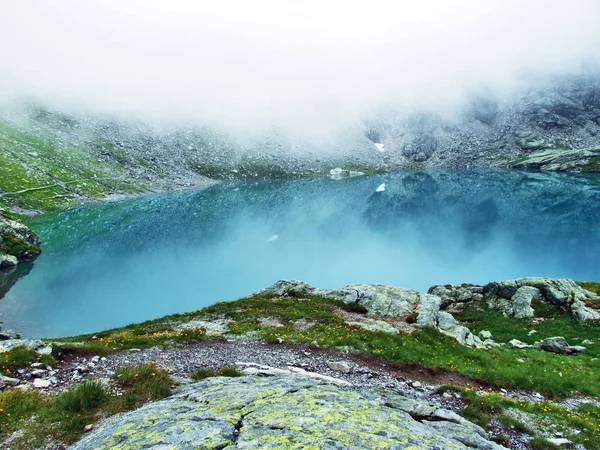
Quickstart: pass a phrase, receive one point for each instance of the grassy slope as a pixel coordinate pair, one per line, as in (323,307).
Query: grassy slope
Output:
(42,420)
(552,374)
(530,369)
(42,170)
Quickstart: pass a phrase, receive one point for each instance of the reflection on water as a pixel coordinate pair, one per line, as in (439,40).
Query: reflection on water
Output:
(113,264)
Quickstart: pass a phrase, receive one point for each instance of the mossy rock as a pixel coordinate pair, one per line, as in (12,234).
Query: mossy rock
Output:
(17,239)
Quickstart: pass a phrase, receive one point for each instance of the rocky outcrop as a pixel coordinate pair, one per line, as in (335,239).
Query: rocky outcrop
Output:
(552,124)
(396,309)
(398,304)
(515,297)
(285,412)
(18,247)
(34,344)
(16,241)
(560,160)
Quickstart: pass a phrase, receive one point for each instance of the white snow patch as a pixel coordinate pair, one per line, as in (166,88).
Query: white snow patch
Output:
(381,188)
(380,147)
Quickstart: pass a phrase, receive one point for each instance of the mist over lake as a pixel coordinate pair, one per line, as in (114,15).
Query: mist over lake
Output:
(112,264)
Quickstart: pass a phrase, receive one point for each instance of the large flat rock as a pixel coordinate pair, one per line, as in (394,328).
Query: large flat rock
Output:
(291,412)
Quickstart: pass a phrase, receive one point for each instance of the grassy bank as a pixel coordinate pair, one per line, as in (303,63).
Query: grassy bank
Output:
(31,419)
(275,318)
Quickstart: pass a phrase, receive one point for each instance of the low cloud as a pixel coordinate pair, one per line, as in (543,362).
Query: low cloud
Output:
(300,66)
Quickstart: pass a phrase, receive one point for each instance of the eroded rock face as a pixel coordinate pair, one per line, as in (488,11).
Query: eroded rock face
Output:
(285,412)
(580,160)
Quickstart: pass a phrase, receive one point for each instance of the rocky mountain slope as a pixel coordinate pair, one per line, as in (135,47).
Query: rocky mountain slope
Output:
(51,158)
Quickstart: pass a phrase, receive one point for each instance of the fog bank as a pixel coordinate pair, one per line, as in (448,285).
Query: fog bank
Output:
(261,64)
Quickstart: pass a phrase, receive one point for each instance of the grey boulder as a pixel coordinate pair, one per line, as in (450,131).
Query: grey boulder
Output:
(282,412)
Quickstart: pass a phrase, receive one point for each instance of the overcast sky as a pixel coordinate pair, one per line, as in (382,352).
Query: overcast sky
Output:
(256,63)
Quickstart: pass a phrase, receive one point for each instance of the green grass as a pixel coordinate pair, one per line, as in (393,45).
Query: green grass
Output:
(22,356)
(87,395)
(227,371)
(546,416)
(556,323)
(62,170)
(531,369)
(142,384)
(43,419)
(549,373)
(143,335)
(17,247)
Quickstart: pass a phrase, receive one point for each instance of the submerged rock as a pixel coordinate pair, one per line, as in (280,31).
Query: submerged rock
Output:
(287,411)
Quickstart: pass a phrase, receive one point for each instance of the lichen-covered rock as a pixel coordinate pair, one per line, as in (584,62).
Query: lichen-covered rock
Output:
(515,343)
(429,309)
(431,316)
(286,288)
(17,240)
(515,297)
(565,294)
(289,412)
(485,334)
(379,299)
(519,304)
(453,293)
(377,326)
(387,301)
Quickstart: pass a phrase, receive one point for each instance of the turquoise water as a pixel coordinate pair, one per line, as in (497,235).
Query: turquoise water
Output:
(116,263)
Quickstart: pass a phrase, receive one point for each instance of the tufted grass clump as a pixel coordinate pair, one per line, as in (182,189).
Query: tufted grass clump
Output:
(227,371)
(143,384)
(22,356)
(38,420)
(87,395)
